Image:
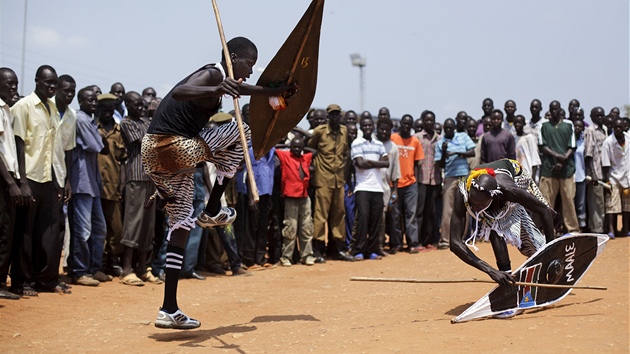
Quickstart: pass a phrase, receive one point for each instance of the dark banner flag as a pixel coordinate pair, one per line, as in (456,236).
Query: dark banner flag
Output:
(295,62)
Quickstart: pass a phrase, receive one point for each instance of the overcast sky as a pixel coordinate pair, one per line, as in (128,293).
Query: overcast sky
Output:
(445,56)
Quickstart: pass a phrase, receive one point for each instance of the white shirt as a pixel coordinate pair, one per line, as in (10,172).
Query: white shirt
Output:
(368,180)
(8,152)
(534,128)
(527,151)
(618,159)
(118,117)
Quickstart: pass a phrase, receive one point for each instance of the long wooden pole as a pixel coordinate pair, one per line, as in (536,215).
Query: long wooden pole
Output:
(237,108)
(472,280)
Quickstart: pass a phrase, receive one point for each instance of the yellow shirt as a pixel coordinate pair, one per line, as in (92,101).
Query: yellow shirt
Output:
(45,136)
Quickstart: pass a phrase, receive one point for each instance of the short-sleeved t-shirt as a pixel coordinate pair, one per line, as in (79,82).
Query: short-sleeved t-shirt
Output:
(456,166)
(558,138)
(409,151)
(368,180)
(617,157)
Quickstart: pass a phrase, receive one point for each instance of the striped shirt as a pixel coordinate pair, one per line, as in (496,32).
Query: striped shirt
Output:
(133,130)
(368,180)
(430,174)
(594,137)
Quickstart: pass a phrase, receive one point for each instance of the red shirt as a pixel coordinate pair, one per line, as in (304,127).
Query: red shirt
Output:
(292,185)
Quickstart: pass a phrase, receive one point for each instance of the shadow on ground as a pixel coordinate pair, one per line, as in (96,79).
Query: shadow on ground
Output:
(195,338)
(459,309)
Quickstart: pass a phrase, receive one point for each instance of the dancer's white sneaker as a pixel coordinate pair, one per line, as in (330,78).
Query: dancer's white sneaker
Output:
(225,216)
(177,320)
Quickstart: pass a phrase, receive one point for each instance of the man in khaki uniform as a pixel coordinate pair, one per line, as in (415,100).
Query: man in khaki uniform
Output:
(331,142)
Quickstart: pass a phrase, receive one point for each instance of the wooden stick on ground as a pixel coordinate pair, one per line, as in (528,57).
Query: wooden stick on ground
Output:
(472,280)
(237,108)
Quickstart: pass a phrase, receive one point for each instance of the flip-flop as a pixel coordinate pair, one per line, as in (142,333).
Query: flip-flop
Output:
(63,290)
(24,291)
(131,279)
(65,286)
(6,294)
(150,278)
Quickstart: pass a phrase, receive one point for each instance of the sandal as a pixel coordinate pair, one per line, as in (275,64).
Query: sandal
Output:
(63,290)
(24,291)
(131,279)
(150,278)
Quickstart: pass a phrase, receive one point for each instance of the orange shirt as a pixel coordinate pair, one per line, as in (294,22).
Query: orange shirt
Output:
(409,151)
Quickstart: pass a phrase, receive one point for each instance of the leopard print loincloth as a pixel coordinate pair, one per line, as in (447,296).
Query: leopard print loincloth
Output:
(171,160)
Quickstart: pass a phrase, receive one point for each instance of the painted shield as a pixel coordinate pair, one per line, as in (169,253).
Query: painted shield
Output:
(295,62)
(562,261)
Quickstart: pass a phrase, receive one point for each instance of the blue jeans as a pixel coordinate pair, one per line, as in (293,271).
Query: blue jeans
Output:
(349,202)
(226,234)
(159,260)
(406,208)
(88,236)
(191,255)
(580,202)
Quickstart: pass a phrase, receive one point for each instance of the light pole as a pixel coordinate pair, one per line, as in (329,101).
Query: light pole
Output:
(24,47)
(357,60)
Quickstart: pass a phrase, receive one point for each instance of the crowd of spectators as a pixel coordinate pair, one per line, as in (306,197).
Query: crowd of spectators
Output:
(352,187)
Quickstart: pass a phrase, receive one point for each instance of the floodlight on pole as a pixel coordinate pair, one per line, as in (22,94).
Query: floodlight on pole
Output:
(359,62)
(23,47)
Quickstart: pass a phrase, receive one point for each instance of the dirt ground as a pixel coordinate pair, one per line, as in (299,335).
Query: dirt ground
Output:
(319,310)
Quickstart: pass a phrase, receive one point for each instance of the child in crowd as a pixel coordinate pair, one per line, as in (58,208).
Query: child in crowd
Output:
(297,204)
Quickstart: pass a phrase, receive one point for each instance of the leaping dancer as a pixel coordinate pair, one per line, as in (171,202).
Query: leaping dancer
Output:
(177,141)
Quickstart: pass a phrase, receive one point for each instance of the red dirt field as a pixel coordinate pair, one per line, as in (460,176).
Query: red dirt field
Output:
(319,310)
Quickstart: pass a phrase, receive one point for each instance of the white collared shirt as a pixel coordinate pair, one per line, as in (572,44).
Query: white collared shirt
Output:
(8,152)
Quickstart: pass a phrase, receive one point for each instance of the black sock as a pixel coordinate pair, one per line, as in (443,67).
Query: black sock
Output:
(214,202)
(174,259)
